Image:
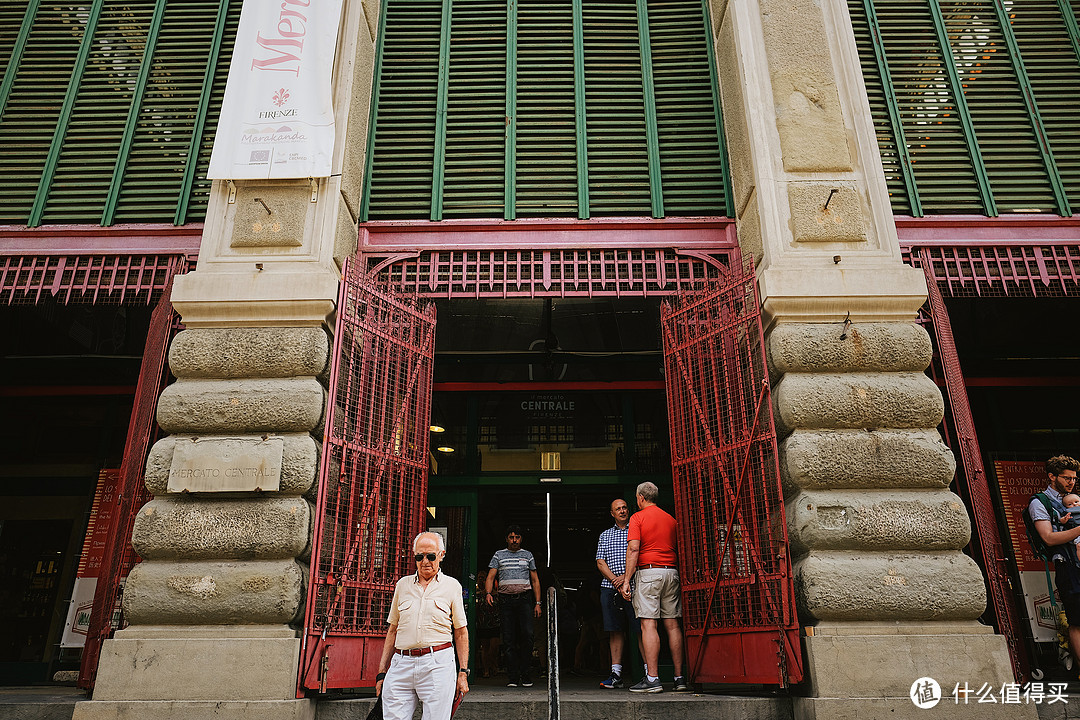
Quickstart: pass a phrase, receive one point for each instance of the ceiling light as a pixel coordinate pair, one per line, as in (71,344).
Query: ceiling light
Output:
(445,449)
(436,428)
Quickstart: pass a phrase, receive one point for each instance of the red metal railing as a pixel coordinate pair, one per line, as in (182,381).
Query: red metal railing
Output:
(373,481)
(738,595)
(112,279)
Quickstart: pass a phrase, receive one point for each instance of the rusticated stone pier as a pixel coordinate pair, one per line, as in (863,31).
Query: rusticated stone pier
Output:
(882,587)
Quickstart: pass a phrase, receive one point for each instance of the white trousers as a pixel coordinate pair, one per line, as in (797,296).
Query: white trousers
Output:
(430,679)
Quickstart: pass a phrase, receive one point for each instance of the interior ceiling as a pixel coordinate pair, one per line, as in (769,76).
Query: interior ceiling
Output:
(569,325)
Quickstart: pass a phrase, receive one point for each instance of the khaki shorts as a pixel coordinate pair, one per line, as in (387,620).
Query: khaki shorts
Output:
(656,593)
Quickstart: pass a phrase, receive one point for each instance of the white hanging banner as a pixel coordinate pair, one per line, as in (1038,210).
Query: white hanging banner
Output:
(277,118)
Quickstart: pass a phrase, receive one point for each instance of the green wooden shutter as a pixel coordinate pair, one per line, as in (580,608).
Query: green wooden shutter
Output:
(476,111)
(890,149)
(404,128)
(692,167)
(1015,149)
(546,137)
(92,141)
(1053,67)
(33,106)
(71,154)
(615,109)
(154,178)
(553,109)
(1010,149)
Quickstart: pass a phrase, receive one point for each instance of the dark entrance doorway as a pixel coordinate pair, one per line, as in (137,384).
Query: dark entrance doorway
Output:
(544,411)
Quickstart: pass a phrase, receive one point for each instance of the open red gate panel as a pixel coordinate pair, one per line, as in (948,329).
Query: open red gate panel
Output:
(739,612)
(373,479)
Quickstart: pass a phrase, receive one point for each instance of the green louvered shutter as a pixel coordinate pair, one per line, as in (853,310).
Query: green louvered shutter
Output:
(692,169)
(76,149)
(11,15)
(1053,67)
(154,178)
(926,99)
(91,144)
(404,137)
(1008,143)
(1015,148)
(546,138)
(615,109)
(38,86)
(476,112)
(552,109)
(879,98)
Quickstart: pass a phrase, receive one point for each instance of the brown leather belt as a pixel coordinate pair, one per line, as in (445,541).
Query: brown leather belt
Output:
(659,567)
(417,652)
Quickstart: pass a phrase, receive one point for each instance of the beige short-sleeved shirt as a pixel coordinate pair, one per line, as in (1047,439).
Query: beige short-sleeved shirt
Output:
(426,616)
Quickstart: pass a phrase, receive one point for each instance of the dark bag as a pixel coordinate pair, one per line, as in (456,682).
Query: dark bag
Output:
(376,710)
(1042,550)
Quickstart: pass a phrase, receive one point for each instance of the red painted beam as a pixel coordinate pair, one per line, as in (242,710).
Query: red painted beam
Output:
(1031,229)
(148,239)
(698,233)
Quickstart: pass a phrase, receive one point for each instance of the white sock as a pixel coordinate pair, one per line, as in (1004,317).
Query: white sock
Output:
(652,678)
(616,668)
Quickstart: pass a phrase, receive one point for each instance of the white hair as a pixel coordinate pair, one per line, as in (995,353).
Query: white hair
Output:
(438,540)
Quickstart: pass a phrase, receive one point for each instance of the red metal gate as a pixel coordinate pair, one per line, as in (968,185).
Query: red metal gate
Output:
(373,479)
(738,596)
(118,556)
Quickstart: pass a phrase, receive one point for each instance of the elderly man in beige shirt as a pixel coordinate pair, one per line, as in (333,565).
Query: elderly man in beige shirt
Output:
(427,619)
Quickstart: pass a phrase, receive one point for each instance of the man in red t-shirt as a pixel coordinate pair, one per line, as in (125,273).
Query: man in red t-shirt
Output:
(651,554)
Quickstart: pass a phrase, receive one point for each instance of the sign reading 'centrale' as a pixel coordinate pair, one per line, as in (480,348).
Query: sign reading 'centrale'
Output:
(226,465)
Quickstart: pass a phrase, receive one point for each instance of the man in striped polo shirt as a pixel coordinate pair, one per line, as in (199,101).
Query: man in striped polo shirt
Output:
(516,570)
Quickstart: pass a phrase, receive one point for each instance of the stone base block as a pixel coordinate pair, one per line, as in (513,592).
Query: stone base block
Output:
(212,669)
(195,710)
(885,666)
(901,708)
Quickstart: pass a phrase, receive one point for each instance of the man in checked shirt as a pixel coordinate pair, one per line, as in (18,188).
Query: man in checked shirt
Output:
(619,617)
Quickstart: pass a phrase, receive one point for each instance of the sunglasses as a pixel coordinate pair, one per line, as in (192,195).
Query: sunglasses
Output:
(430,556)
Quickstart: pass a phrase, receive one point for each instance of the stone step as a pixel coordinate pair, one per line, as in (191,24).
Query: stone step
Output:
(487,703)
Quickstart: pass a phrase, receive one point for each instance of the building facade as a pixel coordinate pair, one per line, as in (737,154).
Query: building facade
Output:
(558,184)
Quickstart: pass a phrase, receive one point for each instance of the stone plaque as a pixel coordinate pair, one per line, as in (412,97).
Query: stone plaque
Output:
(226,465)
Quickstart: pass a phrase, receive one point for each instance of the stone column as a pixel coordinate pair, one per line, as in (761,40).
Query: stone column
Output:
(884,592)
(215,605)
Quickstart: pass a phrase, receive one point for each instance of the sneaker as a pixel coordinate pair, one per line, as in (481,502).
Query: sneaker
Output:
(681,685)
(614,681)
(648,687)
(512,683)
(526,682)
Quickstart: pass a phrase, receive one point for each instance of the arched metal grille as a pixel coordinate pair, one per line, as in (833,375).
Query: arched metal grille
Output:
(551,273)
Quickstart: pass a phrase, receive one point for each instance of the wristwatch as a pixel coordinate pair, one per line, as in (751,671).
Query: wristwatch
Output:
(467,671)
